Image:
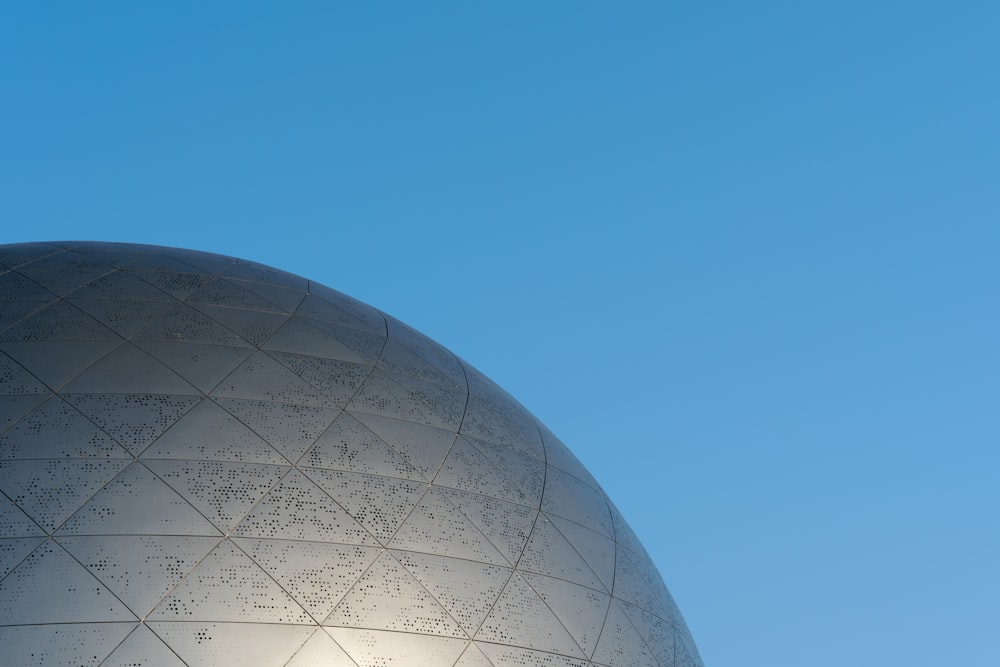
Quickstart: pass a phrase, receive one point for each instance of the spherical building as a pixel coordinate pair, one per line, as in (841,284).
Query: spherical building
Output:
(205,461)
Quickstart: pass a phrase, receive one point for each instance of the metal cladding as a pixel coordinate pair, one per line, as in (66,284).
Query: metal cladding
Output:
(206,461)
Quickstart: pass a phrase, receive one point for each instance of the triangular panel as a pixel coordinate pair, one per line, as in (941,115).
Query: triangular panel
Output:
(285,298)
(15,287)
(61,645)
(15,380)
(348,445)
(494,416)
(387,597)
(500,654)
(256,272)
(251,325)
(129,370)
(14,522)
(523,471)
(178,283)
(424,447)
(638,582)
(620,644)
(140,570)
(12,408)
(230,294)
(380,504)
(137,502)
(262,378)
(365,344)
(57,362)
(124,317)
(13,311)
(409,352)
(384,394)
(320,651)
(624,535)
(142,648)
(447,401)
(134,420)
(112,254)
(505,524)
(209,433)
(548,552)
(50,491)
(473,657)
(328,305)
(22,253)
(658,633)
(466,468)
(290,429)
(581,610)
(383,648)
(59,321)
(72,593)
(160,262)
(184,324)
(521,618)
(228,586)
(465,588)
(224,492)
(316,574)
(119,286)
(568,497)
(204,366)
(686,654)
(64,272)
(13,551)
(300,336)
(56,430)
(203,262)
(597,550)
(209,644)
(337,380)
(559,456)
(436,526)
(297,509)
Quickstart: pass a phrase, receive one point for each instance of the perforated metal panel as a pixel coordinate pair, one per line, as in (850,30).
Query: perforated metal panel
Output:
(205,461)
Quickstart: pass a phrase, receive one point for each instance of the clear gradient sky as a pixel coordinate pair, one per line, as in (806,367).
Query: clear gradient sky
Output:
(743,257)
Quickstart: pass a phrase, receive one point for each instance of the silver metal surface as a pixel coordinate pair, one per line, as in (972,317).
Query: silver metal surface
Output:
(205,461)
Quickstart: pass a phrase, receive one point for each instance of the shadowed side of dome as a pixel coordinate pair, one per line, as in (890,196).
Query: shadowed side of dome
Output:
(207,461)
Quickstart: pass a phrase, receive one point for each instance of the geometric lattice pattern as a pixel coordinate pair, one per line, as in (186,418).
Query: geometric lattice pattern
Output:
(206,461)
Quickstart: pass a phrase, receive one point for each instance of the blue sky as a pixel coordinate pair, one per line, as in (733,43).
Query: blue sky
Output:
(741,257)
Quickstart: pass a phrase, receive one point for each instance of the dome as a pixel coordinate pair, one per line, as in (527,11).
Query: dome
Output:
(206,461)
